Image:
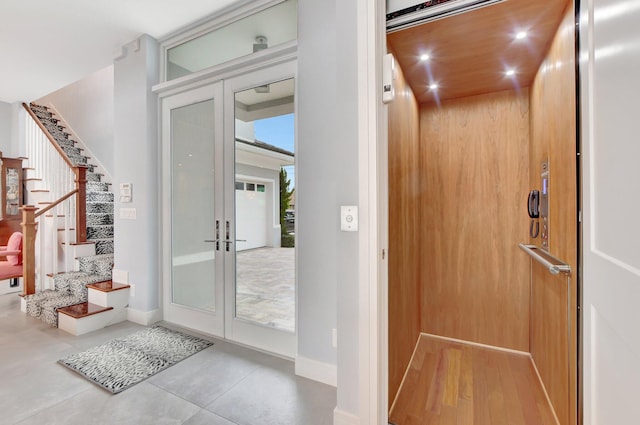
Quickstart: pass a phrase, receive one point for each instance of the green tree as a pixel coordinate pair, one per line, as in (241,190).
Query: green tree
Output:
(285,198)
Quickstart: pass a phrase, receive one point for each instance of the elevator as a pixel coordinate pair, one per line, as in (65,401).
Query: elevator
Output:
(484,104)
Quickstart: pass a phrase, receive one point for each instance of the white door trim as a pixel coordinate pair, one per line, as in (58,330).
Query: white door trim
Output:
(373,383)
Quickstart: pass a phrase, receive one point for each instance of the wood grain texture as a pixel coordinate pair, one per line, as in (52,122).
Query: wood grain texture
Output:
(404,248)
(461,384)
(553,136)
(471,51)
(475,167)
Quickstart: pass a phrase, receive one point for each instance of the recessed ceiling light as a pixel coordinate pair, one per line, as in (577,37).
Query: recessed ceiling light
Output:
(425,57)
(510,72)
(521,35)
(433,86)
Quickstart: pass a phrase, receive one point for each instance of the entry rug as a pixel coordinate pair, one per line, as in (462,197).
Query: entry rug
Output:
(124,362)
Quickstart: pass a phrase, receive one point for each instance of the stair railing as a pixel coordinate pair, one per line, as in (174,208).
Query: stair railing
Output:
(49,165)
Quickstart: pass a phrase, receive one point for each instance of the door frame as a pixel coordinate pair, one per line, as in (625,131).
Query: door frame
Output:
(281,64)
(373,202)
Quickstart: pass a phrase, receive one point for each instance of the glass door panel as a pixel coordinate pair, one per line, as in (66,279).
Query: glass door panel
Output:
(265,166)
(260,277)
(192,147)
(192,188)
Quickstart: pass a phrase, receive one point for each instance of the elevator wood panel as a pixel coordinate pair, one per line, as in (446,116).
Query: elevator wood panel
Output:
(475,170)
(460,384)
(404,243)
(553,136)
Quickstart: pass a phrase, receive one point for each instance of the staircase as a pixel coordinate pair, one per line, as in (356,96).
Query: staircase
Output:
(68,304)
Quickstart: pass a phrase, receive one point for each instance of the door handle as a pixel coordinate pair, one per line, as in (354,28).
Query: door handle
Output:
(217,235)
(228,240)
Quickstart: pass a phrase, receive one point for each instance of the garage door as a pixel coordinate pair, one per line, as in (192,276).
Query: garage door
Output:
(251,215)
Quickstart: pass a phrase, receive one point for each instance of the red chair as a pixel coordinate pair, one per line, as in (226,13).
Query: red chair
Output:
(11,268)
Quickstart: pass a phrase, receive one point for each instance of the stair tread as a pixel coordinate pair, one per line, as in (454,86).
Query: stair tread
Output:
(78,311)
(108,286)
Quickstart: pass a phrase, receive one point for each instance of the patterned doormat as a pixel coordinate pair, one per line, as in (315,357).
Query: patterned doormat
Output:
(124,362)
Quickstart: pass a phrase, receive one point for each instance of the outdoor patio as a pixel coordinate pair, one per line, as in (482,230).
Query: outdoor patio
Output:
(265,282)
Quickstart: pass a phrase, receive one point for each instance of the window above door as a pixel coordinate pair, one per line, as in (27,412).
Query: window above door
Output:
(245,31)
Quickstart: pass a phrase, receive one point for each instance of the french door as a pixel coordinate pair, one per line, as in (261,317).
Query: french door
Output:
(227,269)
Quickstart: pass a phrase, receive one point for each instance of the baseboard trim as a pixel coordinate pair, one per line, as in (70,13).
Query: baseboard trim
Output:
(317,371)
(477,344)
(144,318)
(340,417)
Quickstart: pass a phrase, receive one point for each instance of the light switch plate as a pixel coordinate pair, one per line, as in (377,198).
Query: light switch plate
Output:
(127,213)
(349,218)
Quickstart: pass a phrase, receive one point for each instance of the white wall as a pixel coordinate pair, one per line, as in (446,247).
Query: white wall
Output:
(136,149)
(347,193)
(5,127)
(316,181)
(87,106)
(327,177)
(11,128)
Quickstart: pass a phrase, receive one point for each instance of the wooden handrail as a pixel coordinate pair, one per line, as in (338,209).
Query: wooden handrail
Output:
(49,136)
(56,203)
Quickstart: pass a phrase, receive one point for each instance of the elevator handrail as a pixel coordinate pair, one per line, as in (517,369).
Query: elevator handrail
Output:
(554,265)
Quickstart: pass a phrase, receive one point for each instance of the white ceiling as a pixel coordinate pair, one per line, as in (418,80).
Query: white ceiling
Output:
(46,45)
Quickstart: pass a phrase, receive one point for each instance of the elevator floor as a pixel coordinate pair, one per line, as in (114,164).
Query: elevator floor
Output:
(450,383)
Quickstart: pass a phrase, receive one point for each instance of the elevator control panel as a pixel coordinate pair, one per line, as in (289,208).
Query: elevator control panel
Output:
(544,204)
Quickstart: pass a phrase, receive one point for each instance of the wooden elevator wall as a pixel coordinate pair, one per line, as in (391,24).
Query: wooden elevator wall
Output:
(553,136)
(404,242)
(475,167)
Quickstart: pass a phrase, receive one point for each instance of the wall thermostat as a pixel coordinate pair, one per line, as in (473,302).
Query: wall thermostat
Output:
(126,192)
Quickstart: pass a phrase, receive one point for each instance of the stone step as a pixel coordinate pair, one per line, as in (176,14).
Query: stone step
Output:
(108,286)
(66,143)
(78,159)
(101,265)
(57,133)
(97,187)
(71,151)
(96,219)
(100,232)
(85,317)
(100,207)
(99,196)
(104,246)
(81,310)
(38,108)
(49,120)
(109,294)
(93,177)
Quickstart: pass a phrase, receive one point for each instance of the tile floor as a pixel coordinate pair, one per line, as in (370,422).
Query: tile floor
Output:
(222,385)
